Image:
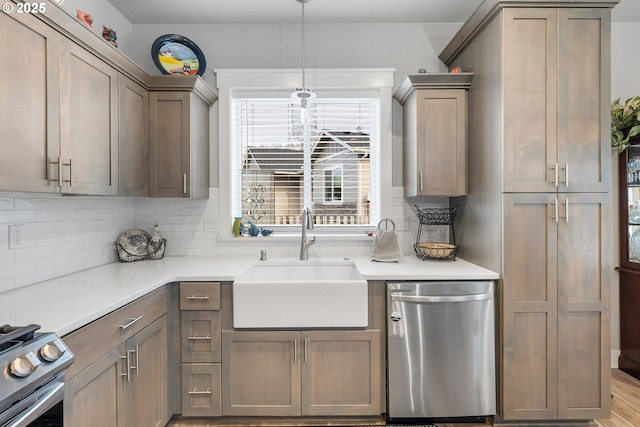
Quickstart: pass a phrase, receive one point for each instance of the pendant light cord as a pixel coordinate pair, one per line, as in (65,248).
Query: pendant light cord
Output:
(304,87)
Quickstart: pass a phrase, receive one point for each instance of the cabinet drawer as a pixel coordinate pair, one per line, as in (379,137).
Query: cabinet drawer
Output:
(96,339)
(200,336)
(199,296)
(201,390)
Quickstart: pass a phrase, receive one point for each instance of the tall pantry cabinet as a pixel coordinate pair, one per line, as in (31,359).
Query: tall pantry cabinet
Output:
(538,209)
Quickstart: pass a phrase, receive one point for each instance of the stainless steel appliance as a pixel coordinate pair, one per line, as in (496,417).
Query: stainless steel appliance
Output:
(32,368)
(441,352)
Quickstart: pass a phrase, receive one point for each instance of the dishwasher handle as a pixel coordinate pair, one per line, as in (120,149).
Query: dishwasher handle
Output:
(447,298)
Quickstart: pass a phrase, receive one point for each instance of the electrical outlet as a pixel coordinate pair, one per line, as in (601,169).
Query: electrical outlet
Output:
(97,228)
(16,236)
(210,225)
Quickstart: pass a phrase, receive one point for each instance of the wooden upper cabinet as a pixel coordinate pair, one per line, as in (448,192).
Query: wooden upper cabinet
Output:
(29,108)
(179,137)
(59,115)
(133,146)
(435,133)
(88,122)
(555,87)
(66,117)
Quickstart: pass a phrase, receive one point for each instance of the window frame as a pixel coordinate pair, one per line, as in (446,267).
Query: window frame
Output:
(378,82)
(332,169)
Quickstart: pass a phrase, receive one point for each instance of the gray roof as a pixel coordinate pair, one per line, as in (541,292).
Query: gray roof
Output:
(290,160)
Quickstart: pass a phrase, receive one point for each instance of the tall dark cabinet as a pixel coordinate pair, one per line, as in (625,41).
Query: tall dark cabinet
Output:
(629,178)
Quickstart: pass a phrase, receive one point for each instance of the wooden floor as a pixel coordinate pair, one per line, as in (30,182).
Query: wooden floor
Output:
(625,408)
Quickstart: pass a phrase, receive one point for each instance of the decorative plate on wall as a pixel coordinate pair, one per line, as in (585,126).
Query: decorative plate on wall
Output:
(175,54)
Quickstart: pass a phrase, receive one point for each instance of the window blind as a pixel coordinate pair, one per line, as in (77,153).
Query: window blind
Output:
(269,177)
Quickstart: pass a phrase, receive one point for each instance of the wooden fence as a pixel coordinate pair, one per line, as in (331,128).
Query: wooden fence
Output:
(325,219)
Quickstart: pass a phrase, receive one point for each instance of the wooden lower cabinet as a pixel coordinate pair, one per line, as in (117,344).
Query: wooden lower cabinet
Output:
(201,390)
(93,396)
(126,387)
(292,373)
(341,373)
(555,324)
(200,349)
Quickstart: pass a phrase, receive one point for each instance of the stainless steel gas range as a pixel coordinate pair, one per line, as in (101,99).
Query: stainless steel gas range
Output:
(32,366)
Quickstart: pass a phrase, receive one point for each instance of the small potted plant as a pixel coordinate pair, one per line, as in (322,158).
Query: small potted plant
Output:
(625,122)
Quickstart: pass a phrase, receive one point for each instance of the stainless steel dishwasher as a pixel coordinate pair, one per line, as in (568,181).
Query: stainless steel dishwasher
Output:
(441,351)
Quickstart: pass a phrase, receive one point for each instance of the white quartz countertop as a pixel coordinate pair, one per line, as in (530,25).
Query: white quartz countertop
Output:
(66,303)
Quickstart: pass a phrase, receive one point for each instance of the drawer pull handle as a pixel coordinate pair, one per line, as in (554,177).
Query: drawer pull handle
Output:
(196,297)
(133,320)
(195,337)
(196,391)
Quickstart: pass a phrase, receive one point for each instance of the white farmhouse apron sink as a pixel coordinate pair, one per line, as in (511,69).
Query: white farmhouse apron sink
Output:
(300,294)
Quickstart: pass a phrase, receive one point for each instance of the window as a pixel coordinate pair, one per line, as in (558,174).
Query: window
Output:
(333,185)
(279,165)
(266,172)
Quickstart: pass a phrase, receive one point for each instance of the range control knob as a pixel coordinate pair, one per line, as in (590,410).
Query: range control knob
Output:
(52,351)
(24,366)
(396,316)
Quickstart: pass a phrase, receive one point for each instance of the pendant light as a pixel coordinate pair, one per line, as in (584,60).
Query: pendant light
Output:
(303,94)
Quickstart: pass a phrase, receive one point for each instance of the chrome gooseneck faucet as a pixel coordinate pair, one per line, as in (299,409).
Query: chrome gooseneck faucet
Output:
(307,224)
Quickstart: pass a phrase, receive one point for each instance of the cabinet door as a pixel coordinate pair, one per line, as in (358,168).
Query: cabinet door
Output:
(556,100)
(584,149)
(442,142)
(200,336)
(201,390)
(169,151)
(95,397)
(261,373)
(556,338)
(584,269)
(29,108)
(530,307)
(530,100)
(147,395)
(133,135)
(341,373)
(88,122)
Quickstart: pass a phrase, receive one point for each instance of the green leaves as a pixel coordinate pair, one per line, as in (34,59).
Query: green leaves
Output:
(625,122)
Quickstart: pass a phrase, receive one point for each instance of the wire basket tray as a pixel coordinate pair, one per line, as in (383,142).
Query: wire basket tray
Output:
(436,216)
(436,251)
(153,253)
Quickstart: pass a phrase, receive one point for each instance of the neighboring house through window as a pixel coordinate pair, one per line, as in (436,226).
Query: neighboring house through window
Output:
(278,166)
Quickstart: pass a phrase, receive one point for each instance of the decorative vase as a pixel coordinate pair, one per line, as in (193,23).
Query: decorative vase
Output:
(237,222)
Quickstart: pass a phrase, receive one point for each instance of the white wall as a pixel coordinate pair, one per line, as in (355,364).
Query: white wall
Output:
(405,47)
(103,13)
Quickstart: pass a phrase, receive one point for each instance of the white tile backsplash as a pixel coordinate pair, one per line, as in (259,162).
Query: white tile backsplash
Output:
(60,232)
